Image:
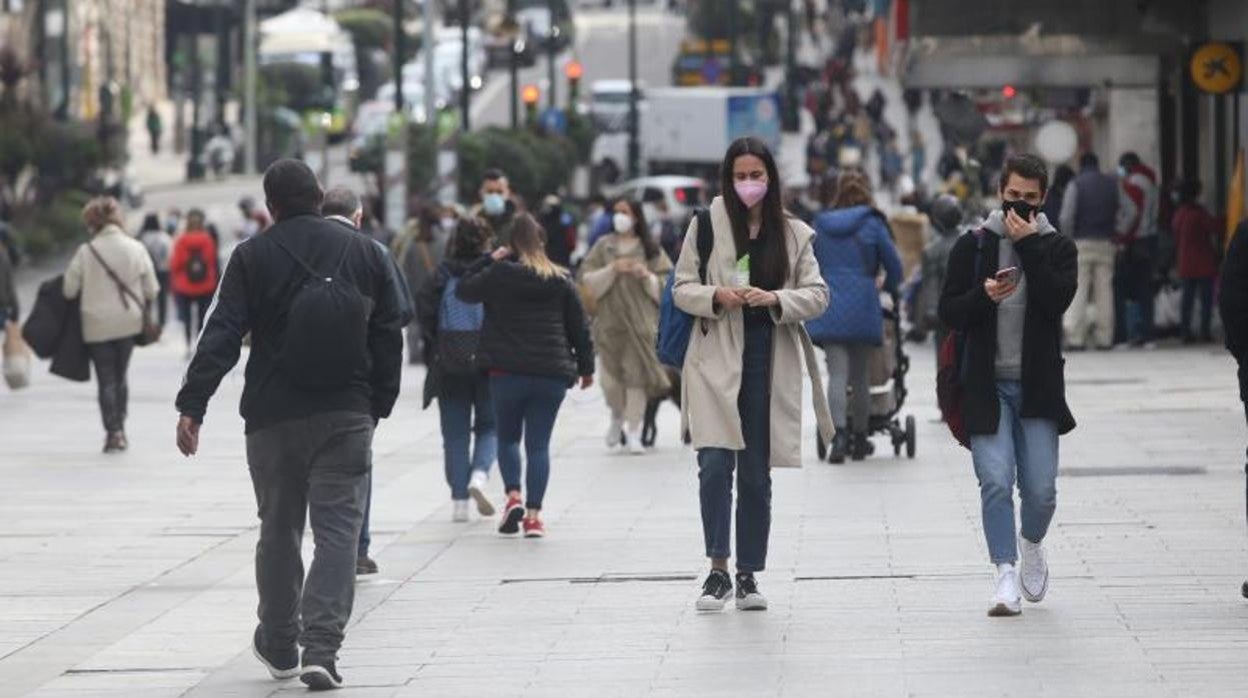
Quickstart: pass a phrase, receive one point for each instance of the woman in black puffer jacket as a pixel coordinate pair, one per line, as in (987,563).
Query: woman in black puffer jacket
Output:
(535,343)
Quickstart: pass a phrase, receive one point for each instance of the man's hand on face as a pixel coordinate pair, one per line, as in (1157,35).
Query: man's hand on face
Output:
(1018,227)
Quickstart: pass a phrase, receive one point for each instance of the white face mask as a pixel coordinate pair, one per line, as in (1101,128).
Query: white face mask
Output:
(623,223)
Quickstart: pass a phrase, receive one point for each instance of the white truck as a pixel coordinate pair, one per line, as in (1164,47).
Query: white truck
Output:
(687,130)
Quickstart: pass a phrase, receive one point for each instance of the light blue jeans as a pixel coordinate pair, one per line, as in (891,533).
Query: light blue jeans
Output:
(1024,450)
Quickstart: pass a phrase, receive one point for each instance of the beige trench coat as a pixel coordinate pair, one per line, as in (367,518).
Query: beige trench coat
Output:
(712,372)
(105,314)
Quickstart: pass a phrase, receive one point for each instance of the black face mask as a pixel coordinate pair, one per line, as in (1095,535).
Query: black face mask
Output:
(1022,208)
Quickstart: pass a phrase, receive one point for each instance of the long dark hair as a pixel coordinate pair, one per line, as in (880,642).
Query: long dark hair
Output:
(775,269)
(470,239)
(641,228)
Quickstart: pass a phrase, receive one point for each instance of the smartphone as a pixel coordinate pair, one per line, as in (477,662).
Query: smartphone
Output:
(1008,275)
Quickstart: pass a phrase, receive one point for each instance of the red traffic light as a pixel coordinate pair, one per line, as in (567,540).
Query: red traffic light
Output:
(574,70)
(530,94)
(1008,92)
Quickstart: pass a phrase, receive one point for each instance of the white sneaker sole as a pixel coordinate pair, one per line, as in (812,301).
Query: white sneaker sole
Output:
(318,678)
(752,602)
(484,506)
(279,674)
(710,604)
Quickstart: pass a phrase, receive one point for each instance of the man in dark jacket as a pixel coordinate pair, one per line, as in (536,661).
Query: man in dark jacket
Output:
(345,207)
(1006,290)
(309,434)
(1233,306)
(1090,216)
(497,208)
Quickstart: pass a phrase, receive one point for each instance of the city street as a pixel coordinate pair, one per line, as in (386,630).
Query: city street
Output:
(131,575)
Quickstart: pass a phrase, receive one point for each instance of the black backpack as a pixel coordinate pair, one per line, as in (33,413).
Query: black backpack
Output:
(326,340)
(197,267)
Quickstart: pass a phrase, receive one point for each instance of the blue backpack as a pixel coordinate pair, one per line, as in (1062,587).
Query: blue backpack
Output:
(675,325)
(459,331)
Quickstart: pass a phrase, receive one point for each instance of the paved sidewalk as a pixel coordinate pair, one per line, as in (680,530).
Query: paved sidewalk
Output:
(131,575)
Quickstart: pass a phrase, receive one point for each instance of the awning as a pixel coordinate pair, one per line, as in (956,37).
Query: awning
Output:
(974,62)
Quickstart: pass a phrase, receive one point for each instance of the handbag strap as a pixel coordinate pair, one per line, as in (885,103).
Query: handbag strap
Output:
(121,286)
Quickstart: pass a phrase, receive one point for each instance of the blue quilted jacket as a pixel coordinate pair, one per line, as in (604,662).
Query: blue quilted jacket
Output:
(852,245)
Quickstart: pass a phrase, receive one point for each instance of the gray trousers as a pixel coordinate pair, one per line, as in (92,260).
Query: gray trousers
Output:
(848,366)
(315,467)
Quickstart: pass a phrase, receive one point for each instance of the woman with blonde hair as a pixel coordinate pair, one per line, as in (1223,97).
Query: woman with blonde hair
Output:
(114,275)
(534,345)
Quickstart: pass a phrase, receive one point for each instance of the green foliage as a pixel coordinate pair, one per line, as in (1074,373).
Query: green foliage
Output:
(45,229)
(369,28)
(535,164)
(422,150)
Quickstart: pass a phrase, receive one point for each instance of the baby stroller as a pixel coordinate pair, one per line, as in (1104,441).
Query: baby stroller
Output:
(888,368)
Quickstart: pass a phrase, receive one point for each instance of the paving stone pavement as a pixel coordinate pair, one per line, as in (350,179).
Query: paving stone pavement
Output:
(131,575)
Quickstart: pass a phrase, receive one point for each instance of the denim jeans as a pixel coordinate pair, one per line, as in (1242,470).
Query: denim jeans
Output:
(1192,287)
(1024,450)
(466,411)
(112,364)
(314,467)
(526,406)
(715,466)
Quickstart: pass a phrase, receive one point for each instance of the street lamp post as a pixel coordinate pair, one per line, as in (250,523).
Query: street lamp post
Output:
(400,46)
(634,145)
(517,48)
(551,36)
(464,95)
(249,86)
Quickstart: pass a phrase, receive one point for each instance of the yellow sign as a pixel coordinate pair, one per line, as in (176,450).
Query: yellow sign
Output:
(1217,68)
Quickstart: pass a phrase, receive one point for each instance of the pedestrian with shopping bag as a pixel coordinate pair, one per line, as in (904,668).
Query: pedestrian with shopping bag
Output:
(112,276)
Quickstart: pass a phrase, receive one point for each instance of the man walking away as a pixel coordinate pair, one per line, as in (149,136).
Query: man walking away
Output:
(1089,216)
(1138,240)
(1233,305)
(1006,289)
(319,302)
(343,206)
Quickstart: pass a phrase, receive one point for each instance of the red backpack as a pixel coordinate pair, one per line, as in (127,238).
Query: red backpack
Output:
(951,371)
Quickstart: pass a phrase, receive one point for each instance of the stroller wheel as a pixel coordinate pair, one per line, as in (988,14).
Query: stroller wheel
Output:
(911,437)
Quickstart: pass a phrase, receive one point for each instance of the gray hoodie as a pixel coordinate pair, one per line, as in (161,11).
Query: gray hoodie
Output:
(1012,312)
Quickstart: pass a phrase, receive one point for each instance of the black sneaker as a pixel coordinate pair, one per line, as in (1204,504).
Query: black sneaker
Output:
(282,665)
(715,591)
(748,596)
(320,676)
(365,565)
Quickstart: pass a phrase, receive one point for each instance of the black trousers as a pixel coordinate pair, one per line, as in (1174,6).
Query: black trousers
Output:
(112,362)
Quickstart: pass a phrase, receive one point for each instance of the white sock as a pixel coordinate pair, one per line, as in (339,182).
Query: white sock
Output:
(1004,567)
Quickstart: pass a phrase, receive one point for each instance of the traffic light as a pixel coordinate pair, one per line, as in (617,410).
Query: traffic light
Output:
(574,72)
(530,95)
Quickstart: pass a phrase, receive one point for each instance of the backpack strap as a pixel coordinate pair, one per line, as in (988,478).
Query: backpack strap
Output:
(706,241)
(122,288)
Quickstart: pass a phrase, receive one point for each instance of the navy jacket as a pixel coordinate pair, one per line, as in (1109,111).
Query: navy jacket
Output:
(851,245)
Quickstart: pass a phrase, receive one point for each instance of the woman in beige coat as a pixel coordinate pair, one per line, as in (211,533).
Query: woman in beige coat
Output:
(114,275)
(624,273)
(742,378)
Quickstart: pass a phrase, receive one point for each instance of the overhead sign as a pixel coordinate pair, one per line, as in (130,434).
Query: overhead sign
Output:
(1217,68)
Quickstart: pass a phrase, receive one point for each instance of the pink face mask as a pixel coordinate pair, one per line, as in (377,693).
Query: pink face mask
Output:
(751,191)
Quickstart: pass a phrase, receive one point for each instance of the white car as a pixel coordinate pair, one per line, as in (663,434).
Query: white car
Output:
(608,104)
(413,98)
(683,195)
(448,56)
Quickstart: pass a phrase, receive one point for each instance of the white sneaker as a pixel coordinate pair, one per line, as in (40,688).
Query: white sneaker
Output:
(633,441)
(1006,601)
(476,488)
(459,514)
(614,429)
(1034,573)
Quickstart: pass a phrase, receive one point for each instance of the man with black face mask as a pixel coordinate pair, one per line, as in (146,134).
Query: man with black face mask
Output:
(1006,289)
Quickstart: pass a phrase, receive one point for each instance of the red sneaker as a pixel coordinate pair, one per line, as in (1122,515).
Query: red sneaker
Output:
(513,512)
(534,528)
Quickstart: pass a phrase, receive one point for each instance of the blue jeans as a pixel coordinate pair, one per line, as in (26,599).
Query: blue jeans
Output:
(466,410)
(753,466)
(526,406)
(1024,450)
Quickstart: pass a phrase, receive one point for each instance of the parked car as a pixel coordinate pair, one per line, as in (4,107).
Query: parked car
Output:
(683,194)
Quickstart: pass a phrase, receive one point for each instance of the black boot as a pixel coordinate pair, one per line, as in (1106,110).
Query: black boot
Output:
(861,447)
(840,444)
